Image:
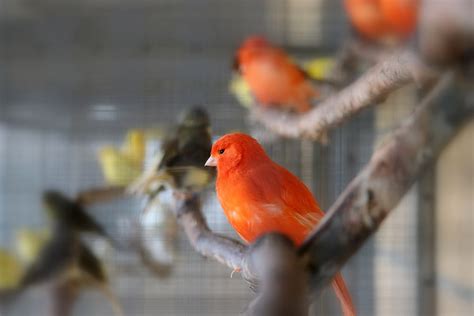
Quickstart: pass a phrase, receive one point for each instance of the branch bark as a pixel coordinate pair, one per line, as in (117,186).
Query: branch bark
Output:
(100,195)
(282,278)
(354,51)
(370,197)
(226,250)
(373,87)
(63,298)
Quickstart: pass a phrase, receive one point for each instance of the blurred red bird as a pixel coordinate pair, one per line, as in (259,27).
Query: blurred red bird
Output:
(259,196)
(383,19)
(401,15)
(273,78)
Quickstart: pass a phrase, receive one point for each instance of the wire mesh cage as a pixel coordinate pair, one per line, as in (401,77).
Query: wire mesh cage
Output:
(76,75)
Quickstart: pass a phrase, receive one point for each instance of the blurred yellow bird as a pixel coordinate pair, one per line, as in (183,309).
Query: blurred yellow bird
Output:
(134,146)
(11,270)
(28,245)
(121,166)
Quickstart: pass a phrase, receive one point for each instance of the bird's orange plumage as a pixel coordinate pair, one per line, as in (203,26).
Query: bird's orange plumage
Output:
(401,15)
(259,196)
(272,77)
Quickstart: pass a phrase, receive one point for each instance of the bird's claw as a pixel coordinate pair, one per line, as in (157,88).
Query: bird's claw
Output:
(234,271)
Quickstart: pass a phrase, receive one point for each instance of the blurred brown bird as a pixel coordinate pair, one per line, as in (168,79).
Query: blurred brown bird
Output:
(64,261)
(184,151)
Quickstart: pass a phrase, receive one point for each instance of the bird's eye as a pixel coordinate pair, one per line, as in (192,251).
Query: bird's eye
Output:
(221,151)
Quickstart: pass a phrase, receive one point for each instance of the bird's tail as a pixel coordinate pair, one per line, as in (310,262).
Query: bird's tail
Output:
(343,295)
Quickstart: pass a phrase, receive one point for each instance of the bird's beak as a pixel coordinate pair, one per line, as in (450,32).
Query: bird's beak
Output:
(211,162)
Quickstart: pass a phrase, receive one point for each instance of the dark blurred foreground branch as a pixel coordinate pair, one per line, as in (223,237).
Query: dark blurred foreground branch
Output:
(372,88)
(379,187)
(63,298)
(282,284)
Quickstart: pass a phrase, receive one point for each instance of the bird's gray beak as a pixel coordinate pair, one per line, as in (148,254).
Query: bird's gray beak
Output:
(211,162)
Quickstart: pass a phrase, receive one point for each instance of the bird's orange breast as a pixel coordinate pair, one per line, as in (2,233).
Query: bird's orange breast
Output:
(259,204)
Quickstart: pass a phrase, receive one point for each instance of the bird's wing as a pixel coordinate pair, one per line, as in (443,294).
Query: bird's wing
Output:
(298,199)
(288,204)
(96,276)
(170,149)
(82,220)
(90,264)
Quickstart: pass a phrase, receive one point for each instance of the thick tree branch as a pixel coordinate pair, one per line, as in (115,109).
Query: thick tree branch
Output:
(272,260)
(373,87)
(370,197)
(225,250)
(282,278)
(354,51)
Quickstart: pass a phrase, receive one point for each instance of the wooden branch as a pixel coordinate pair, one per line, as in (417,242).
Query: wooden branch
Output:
(282,278)
(272,260)
(373,87)
(100,195)
(63,298)
(354,51)
(370,197)
(225,250)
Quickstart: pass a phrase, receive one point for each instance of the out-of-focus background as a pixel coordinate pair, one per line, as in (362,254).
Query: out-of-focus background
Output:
(76,75)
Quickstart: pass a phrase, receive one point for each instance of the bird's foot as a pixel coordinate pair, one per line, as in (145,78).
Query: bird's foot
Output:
(234,271)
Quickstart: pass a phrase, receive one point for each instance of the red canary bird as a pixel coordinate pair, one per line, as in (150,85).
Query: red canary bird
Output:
(383,19)
(273,78)
(401,15)
(259,196)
